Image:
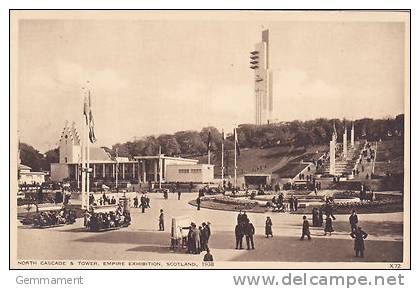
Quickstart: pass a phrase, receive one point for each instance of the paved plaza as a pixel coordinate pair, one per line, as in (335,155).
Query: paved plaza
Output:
(143,241)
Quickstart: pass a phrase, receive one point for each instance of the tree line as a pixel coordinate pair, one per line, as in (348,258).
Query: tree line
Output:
(192,143)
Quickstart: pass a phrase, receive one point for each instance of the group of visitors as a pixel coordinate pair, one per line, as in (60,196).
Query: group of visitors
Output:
(107,220)
(198,238)
(277,203)
(293,204)
(356,233)
(144,202)
(244,227)
(54,218)
(102,201)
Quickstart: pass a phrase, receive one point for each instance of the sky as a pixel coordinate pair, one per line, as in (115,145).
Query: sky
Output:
(154,76)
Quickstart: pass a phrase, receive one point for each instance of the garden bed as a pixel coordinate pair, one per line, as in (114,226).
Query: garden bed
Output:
(225,203)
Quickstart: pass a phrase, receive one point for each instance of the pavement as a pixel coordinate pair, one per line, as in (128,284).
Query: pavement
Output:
(142,240)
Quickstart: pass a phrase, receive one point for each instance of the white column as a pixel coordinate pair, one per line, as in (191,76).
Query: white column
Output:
(352,136)
(94,171)
(345,144)
(160,172)
(143,168)
(123,171)
(332,157)
(155,166)
(103,170)
(134,170)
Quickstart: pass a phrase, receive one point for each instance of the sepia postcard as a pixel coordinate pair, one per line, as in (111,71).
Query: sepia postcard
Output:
(251,139)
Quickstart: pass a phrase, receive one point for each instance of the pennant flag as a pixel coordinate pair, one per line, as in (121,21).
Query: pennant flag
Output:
(209,142)
(223,135)
(238,150)
(89,119)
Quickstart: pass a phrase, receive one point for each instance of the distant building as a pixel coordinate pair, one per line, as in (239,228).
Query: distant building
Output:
(263,81)
(27,177)
(103,166)
(142,169)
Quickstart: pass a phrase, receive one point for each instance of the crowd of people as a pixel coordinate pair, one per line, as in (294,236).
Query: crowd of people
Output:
(198,238)
(107,220)
(54,218)
(102,201)
(144,202)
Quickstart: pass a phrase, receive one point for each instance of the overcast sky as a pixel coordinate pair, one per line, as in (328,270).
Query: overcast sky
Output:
(161,76)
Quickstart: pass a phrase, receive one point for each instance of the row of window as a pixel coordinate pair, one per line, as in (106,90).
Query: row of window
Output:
(187,171)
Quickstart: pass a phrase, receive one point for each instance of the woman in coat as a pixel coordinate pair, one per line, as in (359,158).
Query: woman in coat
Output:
(268,229)
(328,226)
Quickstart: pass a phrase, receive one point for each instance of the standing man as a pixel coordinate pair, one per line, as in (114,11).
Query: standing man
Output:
(305,229)
(239,234)
(291,203)
(179,195)
(249,234)
(198,203)
(161,221)
(208,230)
(359,241)
(143,203)
(354,220)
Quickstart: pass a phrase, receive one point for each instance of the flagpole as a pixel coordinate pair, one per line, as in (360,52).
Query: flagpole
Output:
(83,151)
(223,145)
(234,130)
(117,168)
(87,159)
(160,167)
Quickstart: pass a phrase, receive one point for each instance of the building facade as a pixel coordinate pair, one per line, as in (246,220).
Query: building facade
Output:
(104,168)
(263,80)
(27,177)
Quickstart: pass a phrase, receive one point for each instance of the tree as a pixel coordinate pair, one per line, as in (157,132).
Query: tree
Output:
(52,156)
(169,144)
(31,157)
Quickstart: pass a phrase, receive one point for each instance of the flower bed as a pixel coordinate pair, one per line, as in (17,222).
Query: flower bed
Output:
(229,204)
(382,204)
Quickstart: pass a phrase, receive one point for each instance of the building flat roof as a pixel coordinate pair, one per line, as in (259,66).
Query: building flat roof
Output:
(164,157)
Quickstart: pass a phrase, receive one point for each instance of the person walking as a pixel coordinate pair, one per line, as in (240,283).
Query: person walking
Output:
(268,229)
(328,226)
(305,229)
(359,237)
(354,220)
(239,234)
(249,235)
(161,221)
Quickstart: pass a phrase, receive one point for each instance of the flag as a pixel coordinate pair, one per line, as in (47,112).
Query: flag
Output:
(209,141)
(238,151)
(223,135)
(87,111)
